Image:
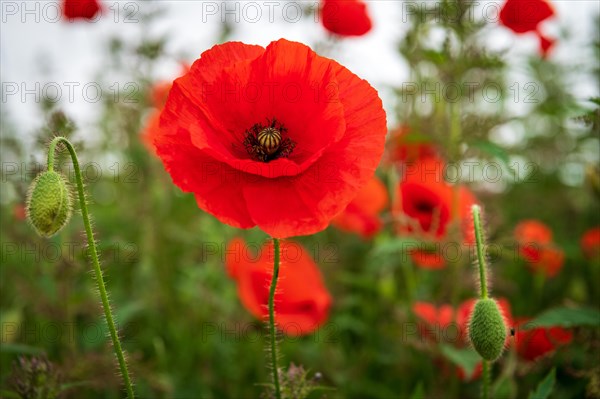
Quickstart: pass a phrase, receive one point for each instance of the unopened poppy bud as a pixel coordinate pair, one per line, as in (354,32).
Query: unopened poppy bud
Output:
(487,329)
(49,203)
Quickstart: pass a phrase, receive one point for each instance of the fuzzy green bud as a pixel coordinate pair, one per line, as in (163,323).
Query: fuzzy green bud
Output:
(49,203)
(487,329)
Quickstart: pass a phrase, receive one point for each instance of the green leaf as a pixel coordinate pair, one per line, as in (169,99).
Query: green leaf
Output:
(545,387)
(492,149)
(467,359)
(566,317)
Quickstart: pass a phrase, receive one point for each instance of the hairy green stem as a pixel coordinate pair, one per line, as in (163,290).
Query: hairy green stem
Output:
(480,250)
(94,255)
(272,335)
(486,380)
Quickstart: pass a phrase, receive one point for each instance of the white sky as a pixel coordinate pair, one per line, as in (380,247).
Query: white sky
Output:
(31,32)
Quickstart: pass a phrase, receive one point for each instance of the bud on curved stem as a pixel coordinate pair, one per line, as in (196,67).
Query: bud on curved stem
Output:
(49,195)
(49,203)
(487,328)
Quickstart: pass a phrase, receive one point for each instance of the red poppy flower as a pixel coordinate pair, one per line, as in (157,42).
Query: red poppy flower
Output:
(547,260)
(158,97)
(533,231)
(537,342)
(302,301)
(362,214)
(590,243)
(522,16)
(81,9)
(279,138)
(404,148)
(345,17)
(426,199)
(535,246)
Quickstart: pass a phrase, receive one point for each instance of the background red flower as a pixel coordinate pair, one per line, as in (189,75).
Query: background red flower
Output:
(81,9)
(535,246)
(427,199)
(331,125)
(345,17)
(534,343)
(302,301)
(522,16)
(590,243)
(361,216)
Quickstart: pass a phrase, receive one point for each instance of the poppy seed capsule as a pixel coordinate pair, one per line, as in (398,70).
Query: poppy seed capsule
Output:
(49,203)
(487,329)
(269,139)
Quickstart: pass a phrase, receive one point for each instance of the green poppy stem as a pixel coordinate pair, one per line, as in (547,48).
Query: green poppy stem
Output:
(480,251)
(272,335)
(94,255)
(486,380)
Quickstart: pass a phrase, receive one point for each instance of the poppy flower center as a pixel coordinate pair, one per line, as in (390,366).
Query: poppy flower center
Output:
(265,143)
(424,207)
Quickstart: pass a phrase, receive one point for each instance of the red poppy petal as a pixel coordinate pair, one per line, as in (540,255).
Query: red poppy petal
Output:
(271,87)
(326,188)
(194,171)
(545,44)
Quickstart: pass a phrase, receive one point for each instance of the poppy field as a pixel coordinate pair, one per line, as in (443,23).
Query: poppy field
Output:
(288,200)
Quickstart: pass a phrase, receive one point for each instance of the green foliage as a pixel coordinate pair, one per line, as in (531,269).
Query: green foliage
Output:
(566,317)
(544,388)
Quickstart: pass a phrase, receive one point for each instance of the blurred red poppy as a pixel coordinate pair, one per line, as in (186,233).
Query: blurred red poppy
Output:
(522,16)
(590,243)
(158,97)
(535,246)
(361,216)
(403,148)
(436,321)
(345,17)
(537,342)
(302,301)
(427,200)
(81,9)
(279,138)
(533,231)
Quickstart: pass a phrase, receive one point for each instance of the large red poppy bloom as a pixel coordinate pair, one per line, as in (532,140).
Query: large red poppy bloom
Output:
(345,17)
(362,214)
(279,138)
(522,16)
(590,243)
(427,200)
(302,301)
(81,9)
(537,342)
